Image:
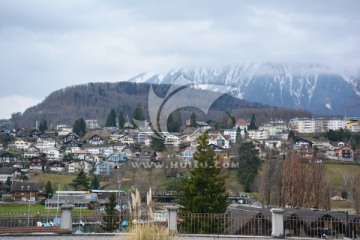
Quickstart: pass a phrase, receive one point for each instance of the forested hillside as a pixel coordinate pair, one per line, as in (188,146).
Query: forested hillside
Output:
(95,101)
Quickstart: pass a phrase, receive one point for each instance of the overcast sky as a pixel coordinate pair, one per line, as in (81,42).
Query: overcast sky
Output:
(47,45)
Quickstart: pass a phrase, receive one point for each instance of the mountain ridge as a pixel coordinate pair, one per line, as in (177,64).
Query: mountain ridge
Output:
(313,87)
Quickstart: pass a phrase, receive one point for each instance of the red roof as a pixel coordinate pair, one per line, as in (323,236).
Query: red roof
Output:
(241,122)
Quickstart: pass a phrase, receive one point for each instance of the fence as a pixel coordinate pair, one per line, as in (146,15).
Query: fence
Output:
(255,223)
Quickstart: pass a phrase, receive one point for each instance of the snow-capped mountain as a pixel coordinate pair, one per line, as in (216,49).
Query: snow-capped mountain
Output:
(316,88)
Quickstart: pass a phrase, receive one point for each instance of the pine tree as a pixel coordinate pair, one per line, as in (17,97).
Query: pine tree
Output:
(95,183)
(252,125)
(138,112)
(121,120)
(157,144)
(110,217)
(111,119)
(48,189)
(43,126)
(249,164)
(204,191)
(173,125)
(79,127)
(238,135)
(81,182)
(193,122)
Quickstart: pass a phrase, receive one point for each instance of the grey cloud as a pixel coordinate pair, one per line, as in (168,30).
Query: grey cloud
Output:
(60,43)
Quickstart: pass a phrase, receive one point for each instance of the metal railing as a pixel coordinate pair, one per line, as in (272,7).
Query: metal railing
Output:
(246,223)
(224,224)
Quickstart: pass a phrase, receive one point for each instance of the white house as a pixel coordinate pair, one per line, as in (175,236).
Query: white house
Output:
(53,153)
(21,144)
(258,134)
(220,140)
(172,140)
(78,166)
(303,125)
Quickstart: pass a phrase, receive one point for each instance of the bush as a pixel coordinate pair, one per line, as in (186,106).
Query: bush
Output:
(42,202)
(7,199)
(149,231)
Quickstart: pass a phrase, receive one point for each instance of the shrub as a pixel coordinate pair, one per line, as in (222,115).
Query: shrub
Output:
(149,232)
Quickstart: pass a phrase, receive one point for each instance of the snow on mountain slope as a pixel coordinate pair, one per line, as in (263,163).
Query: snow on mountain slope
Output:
(312,87)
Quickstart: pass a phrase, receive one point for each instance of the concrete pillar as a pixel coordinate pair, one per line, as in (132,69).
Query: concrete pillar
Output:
(172,219)
(277,223)
(66,219)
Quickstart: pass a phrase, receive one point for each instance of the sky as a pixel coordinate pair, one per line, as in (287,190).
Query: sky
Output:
(48,45)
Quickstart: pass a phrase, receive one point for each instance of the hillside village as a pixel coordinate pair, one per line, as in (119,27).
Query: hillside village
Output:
(103,150)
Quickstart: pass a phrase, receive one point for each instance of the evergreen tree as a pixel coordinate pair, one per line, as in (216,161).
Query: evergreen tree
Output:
(121,120)
(111,119)
(252,125)
(138,112)
(157,144)
(292,136)
(204,191)
(43,126)
(249,164)
(95,183)
(110,217)
(238,135)
(79,127)
(8,181)
(81,182)
(193,122)
(48,189)
(173,125)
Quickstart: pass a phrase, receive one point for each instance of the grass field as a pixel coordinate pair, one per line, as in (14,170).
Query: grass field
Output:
(56,179)
(34,208)
(336,172)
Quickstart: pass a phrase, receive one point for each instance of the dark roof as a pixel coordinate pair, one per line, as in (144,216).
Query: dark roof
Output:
(25,187)
(8,170)
(7,154)
(306,215)
(4,186)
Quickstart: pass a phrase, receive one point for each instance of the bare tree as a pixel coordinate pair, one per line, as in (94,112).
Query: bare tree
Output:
(356,193)
(305,183)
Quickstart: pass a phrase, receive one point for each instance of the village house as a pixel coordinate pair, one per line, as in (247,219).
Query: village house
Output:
(72,146)
(172,140)
(12,173)
(56,166)
(117,158)
(258,134)
(220,140)
(53,153)
(21,144)
(301,143)
(187,154)
(63,130)
(346,153)
(96,140)
(273,127)
(102,168)
(272,143)
(92,124)
(24,191)
(81,154)
(31,151)
(7,157)
(37,163)
(126,139)
(242,124)
(76,167)
(71,137)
